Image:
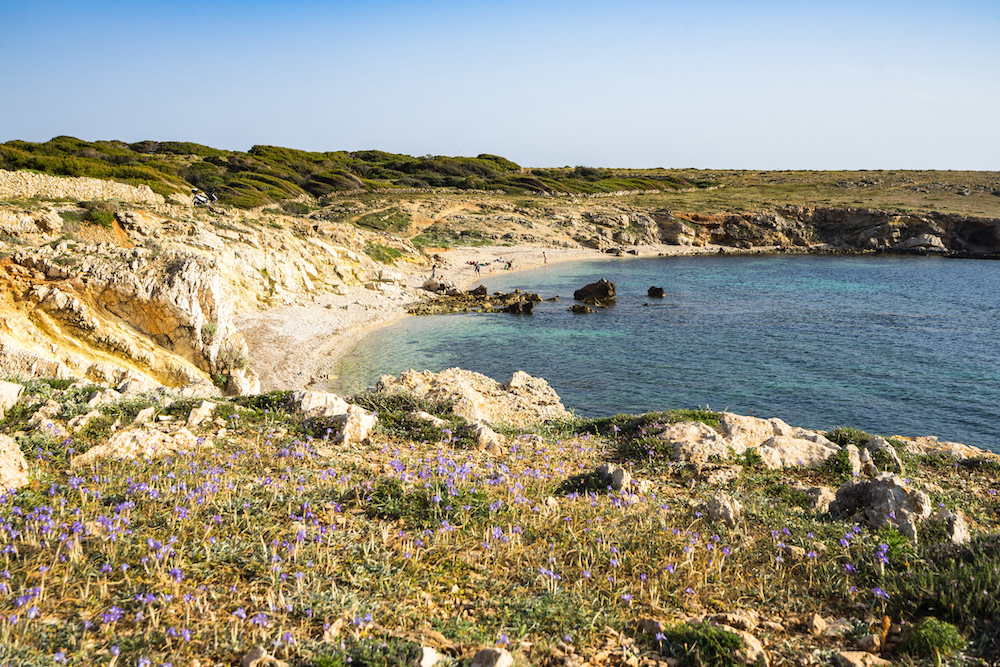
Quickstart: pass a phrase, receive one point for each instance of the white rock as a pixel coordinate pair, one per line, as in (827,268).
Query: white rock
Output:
(201,413)
(743,432)
(422,416)
(10,392)
(13,465)
(140,443)
(145,415)
(320,403)
(78,423)
(492,657)
(694,441)
(725,508)
(783,451)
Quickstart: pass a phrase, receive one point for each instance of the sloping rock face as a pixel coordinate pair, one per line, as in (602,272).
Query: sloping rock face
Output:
(521,400)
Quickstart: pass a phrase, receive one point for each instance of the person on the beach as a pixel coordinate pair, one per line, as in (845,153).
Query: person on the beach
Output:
(507,266)
(477,268)
(545,260)
(434,271)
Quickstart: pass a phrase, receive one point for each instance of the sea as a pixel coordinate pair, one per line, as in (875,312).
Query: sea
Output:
(894,345)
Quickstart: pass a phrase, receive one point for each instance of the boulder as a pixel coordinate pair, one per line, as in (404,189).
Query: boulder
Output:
(479,291)
(723,507)
(521,308)
(358,425)
(486,438)
(78,423)
(783,451)
(492,657)
(580,308)
(617,478)
(954,524)
(140,443)
(854,460)
(13,465)
(859,659)
(201,413)
(694,442)
(320,403)
(885,500)
(655,292)
(10,392)
(744,432)
(520,401)
(880,444)
(422,416)
(602,290)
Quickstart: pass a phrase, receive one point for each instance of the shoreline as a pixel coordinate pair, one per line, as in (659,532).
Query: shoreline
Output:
(294,346)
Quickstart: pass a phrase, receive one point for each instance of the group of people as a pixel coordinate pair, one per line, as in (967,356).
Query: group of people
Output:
(507,264)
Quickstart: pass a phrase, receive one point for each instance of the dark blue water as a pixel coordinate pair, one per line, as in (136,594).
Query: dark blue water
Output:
(892,345)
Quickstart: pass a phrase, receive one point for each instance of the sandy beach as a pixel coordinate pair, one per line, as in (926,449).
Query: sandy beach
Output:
(291,346)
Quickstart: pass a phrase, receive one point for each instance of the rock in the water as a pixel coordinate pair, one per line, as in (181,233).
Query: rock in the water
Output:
(883,501)
(13,465)
(783,452)
(655,292)
(580,308)
(522,400)
(602,290)
(694,442)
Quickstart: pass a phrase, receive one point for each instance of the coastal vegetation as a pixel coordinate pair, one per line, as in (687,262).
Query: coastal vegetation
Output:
(296,180)
(267,534)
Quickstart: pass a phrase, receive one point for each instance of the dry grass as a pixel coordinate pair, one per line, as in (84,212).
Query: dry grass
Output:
(258,540)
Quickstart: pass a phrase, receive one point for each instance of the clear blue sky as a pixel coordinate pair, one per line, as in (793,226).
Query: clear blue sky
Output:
(795,84)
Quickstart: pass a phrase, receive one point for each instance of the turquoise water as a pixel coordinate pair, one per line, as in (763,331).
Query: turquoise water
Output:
(893,345)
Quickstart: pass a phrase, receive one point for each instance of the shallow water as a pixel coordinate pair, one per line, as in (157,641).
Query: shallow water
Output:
(892,345)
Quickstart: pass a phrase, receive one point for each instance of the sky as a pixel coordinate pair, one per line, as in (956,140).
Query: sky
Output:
(756,84)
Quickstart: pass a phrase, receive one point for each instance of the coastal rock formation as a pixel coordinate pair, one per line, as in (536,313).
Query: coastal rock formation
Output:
(594,293)
(141,443)
(521,400)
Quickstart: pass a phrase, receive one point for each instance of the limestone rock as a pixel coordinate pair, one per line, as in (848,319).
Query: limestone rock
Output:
(520,401)
(718,475)
(870,643)
(783,451)
(78,423)
(105,397)
(258,657)
(815,624)
(859,659)
(320,403)
(883,501)
(694,442)
(955,525)
(139,443)
(358,426)
(781,428)
(820,497)
(201,413)
(880,444)
(144,415)
(743,432)
(725,508)
(486,438)
(854,460)
(617,478)
(492,657)
(429,657)
(10,392)
(422,416)
(13,465)
(48,410)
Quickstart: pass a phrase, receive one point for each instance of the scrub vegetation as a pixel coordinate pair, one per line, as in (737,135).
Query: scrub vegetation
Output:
(268,534)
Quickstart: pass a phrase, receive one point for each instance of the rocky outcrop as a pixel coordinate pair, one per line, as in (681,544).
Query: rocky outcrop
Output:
(595,293)
(141,443)
(516,302)
(886,500)
(521,400)
(24,185)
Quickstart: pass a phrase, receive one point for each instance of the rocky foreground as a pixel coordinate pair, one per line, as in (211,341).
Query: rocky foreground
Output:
(446,518)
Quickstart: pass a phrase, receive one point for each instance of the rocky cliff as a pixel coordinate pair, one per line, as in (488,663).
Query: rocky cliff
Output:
(126,287)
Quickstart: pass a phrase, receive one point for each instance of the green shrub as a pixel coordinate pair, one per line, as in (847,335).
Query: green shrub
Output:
(843,436)
(932,638)
(701,644)
(100,212)
(382,253)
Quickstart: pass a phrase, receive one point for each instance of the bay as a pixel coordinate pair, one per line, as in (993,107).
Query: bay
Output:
(892,345)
